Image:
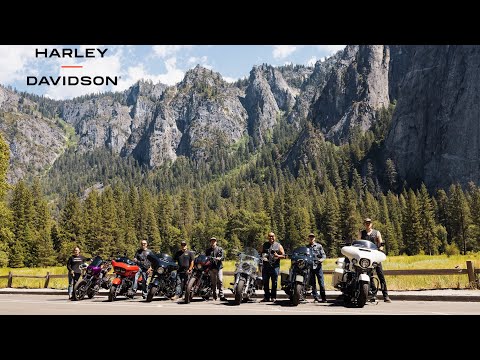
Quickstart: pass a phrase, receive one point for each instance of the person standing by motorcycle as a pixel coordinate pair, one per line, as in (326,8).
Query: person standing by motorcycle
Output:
(185,259)
(74,272)
(144,265)
(272,251)
(317,272)
(370,234)
(216,271)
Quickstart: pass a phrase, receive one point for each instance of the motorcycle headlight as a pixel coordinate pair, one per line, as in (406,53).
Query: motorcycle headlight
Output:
(246,267)
(199,266)
(364,263)
(160,270)
(301,263)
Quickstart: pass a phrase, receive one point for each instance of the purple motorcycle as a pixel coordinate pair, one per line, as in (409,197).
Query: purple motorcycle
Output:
(93,279)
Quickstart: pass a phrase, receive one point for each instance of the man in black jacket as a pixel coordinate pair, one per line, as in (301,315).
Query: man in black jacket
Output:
(74,272)
(144,265)
(216,271)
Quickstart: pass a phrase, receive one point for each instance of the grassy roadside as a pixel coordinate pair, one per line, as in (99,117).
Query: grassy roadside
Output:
(392,263)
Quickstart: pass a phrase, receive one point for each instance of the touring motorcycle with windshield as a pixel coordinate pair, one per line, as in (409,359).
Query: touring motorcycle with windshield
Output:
(95,277)
(164,276)
(298,279)
(122,284)
(246,276)
(354,272)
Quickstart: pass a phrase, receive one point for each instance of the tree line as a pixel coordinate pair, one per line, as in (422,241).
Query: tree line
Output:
(296,183)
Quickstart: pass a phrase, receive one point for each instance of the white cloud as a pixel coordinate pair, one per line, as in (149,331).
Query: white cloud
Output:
(312,61)
(18,60)
(197,60)
(138,72)
(164,51)
(282,51)
(331,49)
(229,79)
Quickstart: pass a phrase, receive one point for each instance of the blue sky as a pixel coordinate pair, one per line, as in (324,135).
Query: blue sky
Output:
(164,63)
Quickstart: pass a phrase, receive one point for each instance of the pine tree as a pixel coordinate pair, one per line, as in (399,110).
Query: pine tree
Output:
(459,217)
(391,173)
(349,217)
(389,235)
(412,230)
(70,226)
(6,234)
(331,221)
(23,223)
(430,242)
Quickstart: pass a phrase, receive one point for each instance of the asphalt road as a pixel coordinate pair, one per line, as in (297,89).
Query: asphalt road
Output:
(17,304)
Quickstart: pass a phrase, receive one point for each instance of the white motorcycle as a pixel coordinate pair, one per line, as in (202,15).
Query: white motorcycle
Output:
(355,271)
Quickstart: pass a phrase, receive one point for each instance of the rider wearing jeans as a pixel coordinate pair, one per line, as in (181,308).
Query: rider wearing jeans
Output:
(271,266)
(318,257)
(216,271)
(374,236)
(144,265)
(74,272)
(184,258)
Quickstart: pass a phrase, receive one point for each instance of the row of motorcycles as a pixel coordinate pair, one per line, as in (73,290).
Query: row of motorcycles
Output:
(353,275)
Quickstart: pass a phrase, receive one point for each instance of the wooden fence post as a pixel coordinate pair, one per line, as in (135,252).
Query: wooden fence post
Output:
(471,273)
(9,282)
(47,280)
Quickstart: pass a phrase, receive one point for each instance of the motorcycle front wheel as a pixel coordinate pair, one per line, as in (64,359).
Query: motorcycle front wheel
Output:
(151,293)
(80,290)
(112,293)
(297,292)
(188,291)
(239,292)
(362,297)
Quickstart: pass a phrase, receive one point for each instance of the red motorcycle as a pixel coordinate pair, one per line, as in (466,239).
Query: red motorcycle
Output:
(122,284)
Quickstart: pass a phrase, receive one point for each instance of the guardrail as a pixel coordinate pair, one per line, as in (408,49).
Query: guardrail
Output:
(470,271)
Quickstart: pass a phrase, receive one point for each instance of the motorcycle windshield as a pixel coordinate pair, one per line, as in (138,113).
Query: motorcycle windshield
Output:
(249,253)
(248,261)
(154,260)
(125,260)
(302,252)
(97,261)
(365,244)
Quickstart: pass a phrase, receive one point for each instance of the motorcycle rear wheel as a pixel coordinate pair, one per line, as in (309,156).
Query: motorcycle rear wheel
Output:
(80,290)
(239,292)
(188,291)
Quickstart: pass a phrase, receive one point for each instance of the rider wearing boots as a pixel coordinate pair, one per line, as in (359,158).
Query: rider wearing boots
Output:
(370,234)
(317,272)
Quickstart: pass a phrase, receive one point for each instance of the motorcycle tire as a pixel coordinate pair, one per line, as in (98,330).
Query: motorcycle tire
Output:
(362,297)
(151,293)
(239,292)
(297,294)
(188,291)
(112,293)
(79,290)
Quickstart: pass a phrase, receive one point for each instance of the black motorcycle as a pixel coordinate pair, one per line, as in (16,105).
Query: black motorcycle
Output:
(298,280)
(199,283)
(164,276)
